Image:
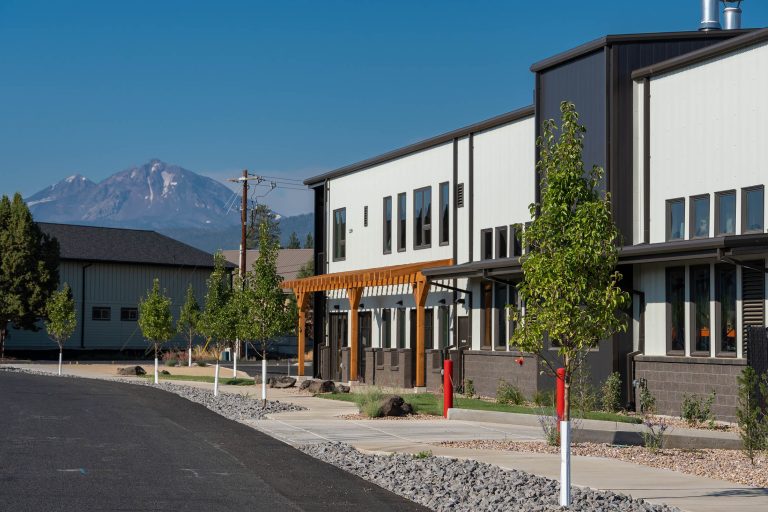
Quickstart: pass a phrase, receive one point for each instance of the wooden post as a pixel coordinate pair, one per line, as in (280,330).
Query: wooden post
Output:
(420,293)
(354,302)
(302,300)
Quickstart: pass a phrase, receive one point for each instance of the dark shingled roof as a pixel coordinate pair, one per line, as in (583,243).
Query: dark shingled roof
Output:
(90,243)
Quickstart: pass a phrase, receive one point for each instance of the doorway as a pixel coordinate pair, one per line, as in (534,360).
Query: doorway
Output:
(338,335)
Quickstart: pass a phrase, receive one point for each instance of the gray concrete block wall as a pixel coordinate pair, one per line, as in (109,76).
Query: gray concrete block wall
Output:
(670,378)
(486,368)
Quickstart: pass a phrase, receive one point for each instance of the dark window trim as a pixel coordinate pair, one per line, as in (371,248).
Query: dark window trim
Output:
(668,218)
(515,230)
(423,225)
(123,312)
(718,196)
(744,192)
(497,242)
(404,229)
(692,337)
(692,216)
(483,250)
(447,206)
(718,323)
(384,224)
(668,311)
(108,309)
(333,236)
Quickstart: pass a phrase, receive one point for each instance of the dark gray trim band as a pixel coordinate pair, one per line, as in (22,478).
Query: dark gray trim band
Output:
(647,161)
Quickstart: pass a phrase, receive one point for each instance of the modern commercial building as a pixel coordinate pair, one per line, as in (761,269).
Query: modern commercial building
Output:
(416,252)
(109,270)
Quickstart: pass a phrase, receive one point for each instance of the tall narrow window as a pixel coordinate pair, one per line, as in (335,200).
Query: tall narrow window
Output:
(386,328)
(516,245)
(725,294)
(676,309)
(443,321)
(676,219)
(402,214)
(753,210)
(700,300)
(501,242)
(725,212)
(429,328)
(486,244)
(700,216)
(422,218)
(387,228)
(500,292)
(445,225)
(487,305)
(339,234)
(400,327)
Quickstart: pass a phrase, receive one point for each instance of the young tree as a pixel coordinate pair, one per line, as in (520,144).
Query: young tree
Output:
(214,322)
(29,262)
(189,317)
(62,320)
(293,241)
(309,243)
(752,415)
(570,286)
(155,320)
(306,270)
(262,214)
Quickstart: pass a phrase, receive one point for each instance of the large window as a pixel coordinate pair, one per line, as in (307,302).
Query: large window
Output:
(429,328)
(725,295)
(387,225)
(486,244)
(443,326)
(487,306)
(676,219)
(422,218)
(445,225)
(501,242)
(725,212)
(700,313)
(676,309)
(700,216)
(339,234)
(753,210)
(402,215)
(400,327)
(386,328)
(500,292)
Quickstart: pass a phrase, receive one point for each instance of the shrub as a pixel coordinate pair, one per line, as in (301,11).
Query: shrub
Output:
(369,402)
(695,410)
(469,388)
(508,394)
(201,363)
(549,426)
(171,362)
(611,392)
(751,416)
(423,454)
(582,394)
(647,400)
(653,436)
(544,399)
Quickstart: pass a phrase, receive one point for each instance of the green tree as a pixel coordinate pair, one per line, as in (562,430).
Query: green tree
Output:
(214,323)
(262,214)
(570,286)
(189,317)
(751,415)
(293,241)
(309,242)
(61,318)
(29,262)
(155,319)
(306,270)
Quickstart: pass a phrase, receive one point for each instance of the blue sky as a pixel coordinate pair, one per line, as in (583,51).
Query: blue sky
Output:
(288,88)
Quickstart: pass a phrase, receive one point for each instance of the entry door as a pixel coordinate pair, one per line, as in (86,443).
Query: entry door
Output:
(464,338)
(364,340)
(338,334)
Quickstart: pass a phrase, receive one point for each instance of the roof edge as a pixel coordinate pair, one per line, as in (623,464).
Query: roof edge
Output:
(486,124)
(703,54)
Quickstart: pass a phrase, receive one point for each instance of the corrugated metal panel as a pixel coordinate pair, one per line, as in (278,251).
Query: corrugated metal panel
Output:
(753,295)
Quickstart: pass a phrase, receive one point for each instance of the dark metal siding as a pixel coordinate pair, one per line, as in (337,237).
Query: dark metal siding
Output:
(318,301)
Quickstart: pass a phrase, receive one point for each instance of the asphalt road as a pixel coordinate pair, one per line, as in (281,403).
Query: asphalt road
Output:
(86,445)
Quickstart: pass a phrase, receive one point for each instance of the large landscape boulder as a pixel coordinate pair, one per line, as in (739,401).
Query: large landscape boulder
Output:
(341,388)
(318,386)
(131,370)
(392,406)
(282,382)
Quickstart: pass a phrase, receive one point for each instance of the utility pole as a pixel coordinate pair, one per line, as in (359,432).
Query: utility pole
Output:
(243,223)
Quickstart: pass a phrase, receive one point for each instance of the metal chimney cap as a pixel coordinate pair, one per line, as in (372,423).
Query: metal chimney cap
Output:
(710,15)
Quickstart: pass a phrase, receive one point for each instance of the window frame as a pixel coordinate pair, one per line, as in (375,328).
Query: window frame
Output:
(386,229)
(744,206)
(718,198)
(692,216)
(515,244)
(694,351)
(719,352)
(668,309)
(444,227)
(386,328)
(502,316)
(498,245)
(124,312)
(484,245)
(668,218)
(108,309)
(425,227)
(342,242)
(402,223)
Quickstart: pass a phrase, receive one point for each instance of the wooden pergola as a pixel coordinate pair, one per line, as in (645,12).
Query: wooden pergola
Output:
(355,282)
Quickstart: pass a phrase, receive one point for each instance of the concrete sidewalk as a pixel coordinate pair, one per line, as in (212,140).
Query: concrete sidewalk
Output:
(320,423)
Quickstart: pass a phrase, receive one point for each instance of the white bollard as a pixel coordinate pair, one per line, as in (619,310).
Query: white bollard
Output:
(264,378)
(234,366)
(60,352)
(216,380)
(156,375)
(565,463)
(190,357)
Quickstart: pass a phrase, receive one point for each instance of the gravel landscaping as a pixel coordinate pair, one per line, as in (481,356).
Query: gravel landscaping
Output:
(729,465)
(440,483)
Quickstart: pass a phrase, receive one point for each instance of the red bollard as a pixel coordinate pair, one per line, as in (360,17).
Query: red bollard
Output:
(560,396)
(447,386)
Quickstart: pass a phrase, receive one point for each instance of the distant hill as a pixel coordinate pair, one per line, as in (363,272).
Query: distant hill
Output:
(166,198)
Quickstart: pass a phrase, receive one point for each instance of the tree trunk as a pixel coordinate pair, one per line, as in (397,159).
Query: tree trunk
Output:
(61,352)
(216,379)
(157,379)
(264,376)
(565,441)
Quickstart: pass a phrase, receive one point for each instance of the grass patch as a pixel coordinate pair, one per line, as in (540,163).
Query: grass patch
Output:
(204,378)
(427,403)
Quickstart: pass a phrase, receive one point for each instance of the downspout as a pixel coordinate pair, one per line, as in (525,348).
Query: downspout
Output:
(82,306)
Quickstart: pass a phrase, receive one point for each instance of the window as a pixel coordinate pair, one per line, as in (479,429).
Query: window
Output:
(515,243)
(129,314)
(752,210)
(386,328)
(725,295)
(401,224)
(400,327)
(528,244)
(445,225)
(486,244)
(500,292)
(429,328)
(676,219)
(101,313)
(387,225)
(700,314)
(339,234)
(422,218)
(501,242)
(700,216)
(487,306)
(443,321)
(725,212)
(676,309)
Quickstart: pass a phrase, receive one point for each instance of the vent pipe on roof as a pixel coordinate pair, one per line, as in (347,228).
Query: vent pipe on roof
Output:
(732,15)
(710,15)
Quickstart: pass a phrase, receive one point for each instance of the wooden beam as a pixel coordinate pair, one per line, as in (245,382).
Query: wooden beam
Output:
(302,301)
(354,335)
(420,294)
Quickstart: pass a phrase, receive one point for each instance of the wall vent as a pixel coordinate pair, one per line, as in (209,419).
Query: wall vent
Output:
(460,195)
(365,216)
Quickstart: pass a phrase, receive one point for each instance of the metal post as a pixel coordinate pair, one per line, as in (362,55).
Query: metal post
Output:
(447,386)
